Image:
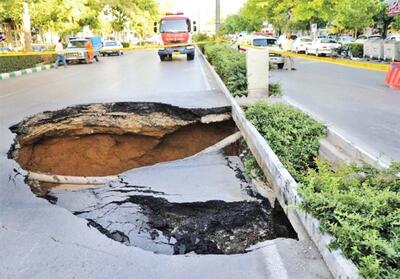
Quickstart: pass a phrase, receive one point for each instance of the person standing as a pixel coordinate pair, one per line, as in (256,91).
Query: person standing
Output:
(60,54)
(287,46)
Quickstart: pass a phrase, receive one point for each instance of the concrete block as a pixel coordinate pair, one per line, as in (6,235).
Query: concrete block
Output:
(257,64)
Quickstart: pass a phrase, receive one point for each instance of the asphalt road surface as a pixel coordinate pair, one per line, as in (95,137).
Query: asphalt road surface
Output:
(41,240)
(354,102)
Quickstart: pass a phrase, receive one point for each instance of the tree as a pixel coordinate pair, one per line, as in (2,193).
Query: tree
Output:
(355,14)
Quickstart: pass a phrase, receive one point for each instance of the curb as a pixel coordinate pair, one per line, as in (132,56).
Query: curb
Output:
(5,76)
(285,188)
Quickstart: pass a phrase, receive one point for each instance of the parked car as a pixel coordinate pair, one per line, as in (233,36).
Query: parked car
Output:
(76,50)
(301,43)
(345,39)
(5,49)
(38,47)
(111,47)
(323,47)
(362,38)
(393,38)
(272,44)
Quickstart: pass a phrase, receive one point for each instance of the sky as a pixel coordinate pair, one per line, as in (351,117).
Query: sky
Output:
(202,11)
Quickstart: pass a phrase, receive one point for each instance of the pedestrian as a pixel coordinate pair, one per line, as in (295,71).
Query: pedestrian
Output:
(90,51)
(60,54)
(287,46)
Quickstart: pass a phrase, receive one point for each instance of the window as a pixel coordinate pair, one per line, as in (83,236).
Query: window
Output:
(175,26)
(263,42)
(77,44)
(111,44)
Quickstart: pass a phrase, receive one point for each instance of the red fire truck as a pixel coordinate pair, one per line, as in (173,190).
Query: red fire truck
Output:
(175,30)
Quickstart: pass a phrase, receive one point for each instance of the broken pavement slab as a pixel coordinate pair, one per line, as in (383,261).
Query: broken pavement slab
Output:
(73,248)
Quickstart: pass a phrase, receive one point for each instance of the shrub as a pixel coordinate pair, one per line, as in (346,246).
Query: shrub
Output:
(231,67)
(125,44)
(16,63)
(360,207)
(275,89)
(292,134)
(356,50)
(201,37)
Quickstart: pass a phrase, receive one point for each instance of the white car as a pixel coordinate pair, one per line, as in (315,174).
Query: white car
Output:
(345,39)
(395,38)
(270,43)
(323,47)
(301,43)
(363,38)
(111,47)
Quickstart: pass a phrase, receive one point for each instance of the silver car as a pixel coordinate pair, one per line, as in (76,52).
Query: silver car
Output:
(270,43)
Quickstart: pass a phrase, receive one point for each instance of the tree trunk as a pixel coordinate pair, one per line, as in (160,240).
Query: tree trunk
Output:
(27,28)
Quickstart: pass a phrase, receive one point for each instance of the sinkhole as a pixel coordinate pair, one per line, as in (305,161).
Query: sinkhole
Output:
(96,140)
(108,139)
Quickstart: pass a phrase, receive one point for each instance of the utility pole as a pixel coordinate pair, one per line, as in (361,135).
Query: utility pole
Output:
(27,27)
(217,16)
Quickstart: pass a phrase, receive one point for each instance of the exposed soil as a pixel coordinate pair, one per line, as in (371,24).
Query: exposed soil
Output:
(106,154)
(212,227)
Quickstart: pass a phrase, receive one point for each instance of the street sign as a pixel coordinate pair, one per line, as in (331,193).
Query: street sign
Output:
(314,28)
(394,7)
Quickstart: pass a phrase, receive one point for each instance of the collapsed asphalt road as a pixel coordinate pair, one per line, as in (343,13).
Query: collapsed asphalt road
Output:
(74,238)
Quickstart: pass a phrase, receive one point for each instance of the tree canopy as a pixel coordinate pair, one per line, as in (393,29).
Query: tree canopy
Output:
(293,15)
(70,16)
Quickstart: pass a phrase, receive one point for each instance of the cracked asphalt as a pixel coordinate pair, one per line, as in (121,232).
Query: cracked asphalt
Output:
(42,240)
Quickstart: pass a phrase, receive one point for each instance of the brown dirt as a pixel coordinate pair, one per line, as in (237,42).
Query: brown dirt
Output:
(105,154)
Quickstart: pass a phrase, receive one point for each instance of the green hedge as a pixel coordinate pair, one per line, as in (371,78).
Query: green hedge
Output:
(356,50)
(231,67)
(125,44)
(292,134)
(358,205)
(16,63)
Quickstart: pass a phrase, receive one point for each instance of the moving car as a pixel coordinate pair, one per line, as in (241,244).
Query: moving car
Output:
(323,47)
(301,43)
(76,50)
(272,44)
(175,31)
(111,47)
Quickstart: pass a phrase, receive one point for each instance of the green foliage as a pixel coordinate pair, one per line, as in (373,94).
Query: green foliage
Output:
(275,89)
(125,44)
(360,207)
(231,67)
(238,23)
(357,50)
(16,63)
(201,37)
(252,168)
(292,134)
